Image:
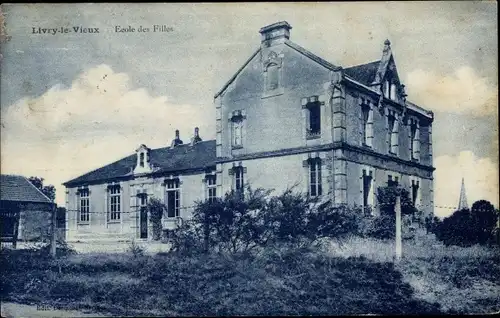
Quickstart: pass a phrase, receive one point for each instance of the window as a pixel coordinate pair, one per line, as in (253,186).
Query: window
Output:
(84,208)
(393,91)
(239,182)
(143,200)
(392,134)
(315,177)
(114,210)
(367,192)
(386,89)
(414,141)
(392,182)
(414,191)
(173,198)
(141,159)
(211,187)
(237,133)
(314,120)
(272,77)
(367,125)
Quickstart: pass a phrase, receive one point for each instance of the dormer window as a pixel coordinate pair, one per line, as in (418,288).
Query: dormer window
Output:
(141,159)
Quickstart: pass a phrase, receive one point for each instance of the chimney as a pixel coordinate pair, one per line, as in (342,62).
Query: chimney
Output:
(275,33)
(177,140)
(196,137)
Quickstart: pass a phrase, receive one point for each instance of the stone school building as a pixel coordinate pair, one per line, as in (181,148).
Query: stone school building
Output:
(286,117)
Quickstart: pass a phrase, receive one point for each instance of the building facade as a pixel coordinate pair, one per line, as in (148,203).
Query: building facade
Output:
(287,118)
(25,212)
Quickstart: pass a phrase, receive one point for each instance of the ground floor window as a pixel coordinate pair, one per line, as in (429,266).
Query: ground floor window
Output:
(172,199)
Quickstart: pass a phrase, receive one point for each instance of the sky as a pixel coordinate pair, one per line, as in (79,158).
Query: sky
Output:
(73,102)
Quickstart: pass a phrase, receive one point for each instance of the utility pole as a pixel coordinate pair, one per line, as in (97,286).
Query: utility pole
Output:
(53,231)
(399,247)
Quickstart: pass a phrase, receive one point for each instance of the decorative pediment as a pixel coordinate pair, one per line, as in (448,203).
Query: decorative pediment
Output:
(272,59)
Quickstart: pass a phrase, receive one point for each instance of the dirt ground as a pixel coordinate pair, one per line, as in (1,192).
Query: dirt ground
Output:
(26,311)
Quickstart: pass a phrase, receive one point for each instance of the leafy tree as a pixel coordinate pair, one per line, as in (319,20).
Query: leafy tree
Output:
(468,227)
(155,209)
(386,198)
(484,220)
(48,190)
(384,225)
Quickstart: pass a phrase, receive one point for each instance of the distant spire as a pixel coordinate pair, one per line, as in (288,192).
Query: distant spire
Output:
(462,203)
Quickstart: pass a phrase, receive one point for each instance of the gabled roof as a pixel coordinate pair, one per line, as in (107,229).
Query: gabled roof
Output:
(312,56)
(364,73)
(294,46)
(236,74)
(183,157)
(19,189)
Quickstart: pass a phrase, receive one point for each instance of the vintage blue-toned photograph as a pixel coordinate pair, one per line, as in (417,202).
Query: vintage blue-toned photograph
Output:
(249,159)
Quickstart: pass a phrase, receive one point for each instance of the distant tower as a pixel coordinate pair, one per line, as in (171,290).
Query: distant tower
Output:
(462,203)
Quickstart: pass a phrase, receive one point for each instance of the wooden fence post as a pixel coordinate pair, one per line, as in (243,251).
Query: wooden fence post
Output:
(53,231)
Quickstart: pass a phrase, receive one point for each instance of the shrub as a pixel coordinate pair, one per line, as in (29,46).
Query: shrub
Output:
(135,249)
(241,223)
(386,198)
(155,209)
(468,227)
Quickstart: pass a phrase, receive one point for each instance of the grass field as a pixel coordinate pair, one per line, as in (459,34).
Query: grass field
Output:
(356,277)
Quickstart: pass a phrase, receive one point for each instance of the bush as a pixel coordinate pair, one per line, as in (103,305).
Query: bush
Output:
(155,209)
(386,198)
(468,227)
(240,223)
(135,249)
(380,227)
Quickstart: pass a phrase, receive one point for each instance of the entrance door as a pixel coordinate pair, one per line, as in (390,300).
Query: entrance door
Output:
(144,222)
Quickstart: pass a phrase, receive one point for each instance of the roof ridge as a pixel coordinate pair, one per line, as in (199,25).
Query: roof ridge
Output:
(94,170)
(225,86)
(183,144)
(312,55)
(377,61)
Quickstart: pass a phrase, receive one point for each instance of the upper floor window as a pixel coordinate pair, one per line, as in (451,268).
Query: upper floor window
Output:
(211,182)
(315,188)
(114,206)
(84,206)
(390,88)
(313,120)
(367,125)
(238,133)
(272,77)
(172,199)
(392,131)
(236,122)
(414,140)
